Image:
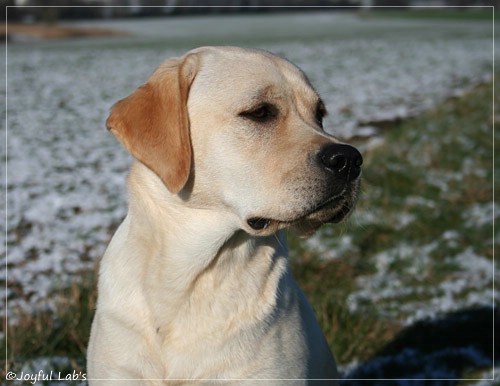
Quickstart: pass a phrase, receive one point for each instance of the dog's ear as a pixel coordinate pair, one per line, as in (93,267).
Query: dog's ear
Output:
(153,125)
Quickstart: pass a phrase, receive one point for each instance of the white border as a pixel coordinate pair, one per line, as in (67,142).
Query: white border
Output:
(250,7)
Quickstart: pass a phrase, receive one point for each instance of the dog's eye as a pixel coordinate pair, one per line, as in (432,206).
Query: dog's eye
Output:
(262,113)
(320,113)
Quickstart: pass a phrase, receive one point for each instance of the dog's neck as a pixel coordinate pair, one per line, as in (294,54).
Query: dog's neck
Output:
(205,254)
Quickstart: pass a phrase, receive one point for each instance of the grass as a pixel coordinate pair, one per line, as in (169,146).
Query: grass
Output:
(431,169)
(439,14)
(434,169)
(54,334)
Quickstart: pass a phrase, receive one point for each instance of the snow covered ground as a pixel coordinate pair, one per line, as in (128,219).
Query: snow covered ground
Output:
(66,174)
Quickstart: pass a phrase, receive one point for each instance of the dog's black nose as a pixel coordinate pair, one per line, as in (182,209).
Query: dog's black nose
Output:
(343,160)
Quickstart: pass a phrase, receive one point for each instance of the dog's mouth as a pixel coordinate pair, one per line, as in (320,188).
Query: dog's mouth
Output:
(333,210)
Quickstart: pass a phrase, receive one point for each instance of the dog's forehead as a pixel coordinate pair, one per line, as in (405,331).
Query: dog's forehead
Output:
(230,71)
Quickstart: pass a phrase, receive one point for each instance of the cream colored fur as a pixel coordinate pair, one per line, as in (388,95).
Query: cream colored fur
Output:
(189,292)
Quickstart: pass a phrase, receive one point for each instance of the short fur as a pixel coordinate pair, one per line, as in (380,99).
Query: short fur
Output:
(188,289)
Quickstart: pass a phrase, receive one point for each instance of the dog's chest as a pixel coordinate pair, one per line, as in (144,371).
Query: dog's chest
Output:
(222,321)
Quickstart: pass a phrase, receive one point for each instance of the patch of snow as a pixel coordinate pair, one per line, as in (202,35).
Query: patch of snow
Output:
(335,248)
(371,144)
(419,201)
(367,131)
(478,215)
(469,285)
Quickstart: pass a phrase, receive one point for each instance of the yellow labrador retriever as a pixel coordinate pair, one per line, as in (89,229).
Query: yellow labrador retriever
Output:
(195,286)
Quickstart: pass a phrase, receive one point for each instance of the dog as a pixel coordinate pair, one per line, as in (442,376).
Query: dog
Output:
(195,286)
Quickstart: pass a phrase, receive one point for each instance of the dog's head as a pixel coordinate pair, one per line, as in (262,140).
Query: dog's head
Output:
(241,130)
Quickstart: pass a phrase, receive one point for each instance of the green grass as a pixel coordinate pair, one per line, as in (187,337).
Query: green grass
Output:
(439,14)
(444,158)
(419,159)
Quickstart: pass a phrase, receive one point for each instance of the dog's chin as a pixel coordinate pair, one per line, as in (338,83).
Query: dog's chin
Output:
(306,224)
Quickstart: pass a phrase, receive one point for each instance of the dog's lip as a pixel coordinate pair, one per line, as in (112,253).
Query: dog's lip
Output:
(339,204)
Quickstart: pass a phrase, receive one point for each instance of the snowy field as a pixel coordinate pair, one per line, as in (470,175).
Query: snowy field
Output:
(66,175)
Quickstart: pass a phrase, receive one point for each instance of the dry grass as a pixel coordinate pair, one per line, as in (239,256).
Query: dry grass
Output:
(15,31)
(61,332)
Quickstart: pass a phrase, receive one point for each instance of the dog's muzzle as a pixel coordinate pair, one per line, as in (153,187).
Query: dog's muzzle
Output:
(341,166)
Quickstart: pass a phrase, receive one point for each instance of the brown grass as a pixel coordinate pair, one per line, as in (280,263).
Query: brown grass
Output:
(64,331)
(14,31)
